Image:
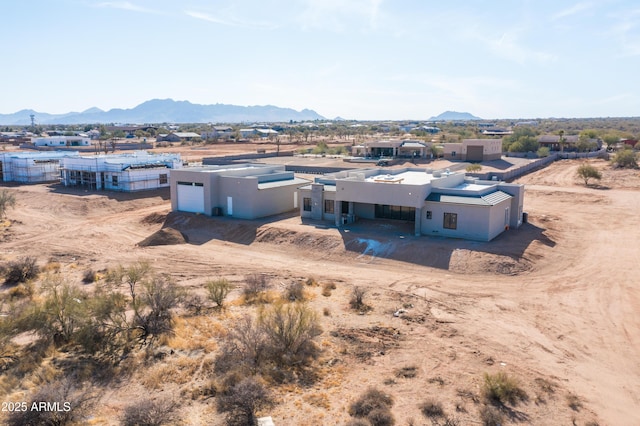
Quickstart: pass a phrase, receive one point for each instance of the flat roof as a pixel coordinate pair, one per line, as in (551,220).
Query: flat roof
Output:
(284,182)
(409,177)
(485,200)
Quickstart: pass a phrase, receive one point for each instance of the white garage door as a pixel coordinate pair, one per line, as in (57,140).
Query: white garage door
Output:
(190,197)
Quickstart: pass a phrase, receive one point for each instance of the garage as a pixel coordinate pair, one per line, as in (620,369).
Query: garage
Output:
(475,153)
(190,197)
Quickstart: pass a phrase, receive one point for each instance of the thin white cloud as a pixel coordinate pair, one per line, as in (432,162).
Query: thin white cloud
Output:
(339,15)
(230,21)
(125,5)
(573,10)
(626,32)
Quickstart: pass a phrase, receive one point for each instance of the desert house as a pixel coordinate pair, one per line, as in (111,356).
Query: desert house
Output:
(136,171)
(61,141)
(245,191)
(437,202)
(392,149)
(568,142)
(473,150)
(178,137)
(32,167)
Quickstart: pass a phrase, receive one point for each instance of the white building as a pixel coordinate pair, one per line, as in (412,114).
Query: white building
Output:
(61,141)
(120,172)
(32,167)
(437,203)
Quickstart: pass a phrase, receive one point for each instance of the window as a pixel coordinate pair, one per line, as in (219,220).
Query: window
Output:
(306,204)
(114,180)
(328,206)
(429,214)
(450,221)
(163,179)
(453,153)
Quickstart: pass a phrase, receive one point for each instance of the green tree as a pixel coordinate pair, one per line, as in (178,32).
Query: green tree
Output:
(611,139)
(586,171)
(7,199)
(543,151)
(523,139)
(218,290)
(625,158)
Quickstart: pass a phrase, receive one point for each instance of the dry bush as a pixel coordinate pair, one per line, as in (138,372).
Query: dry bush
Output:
(311,282)
(256,287)
(291,329)
(196,333)
(357,299)
(218,290)
(432,409)
(179,371)
(326,289)
(500,388)
(407,372)
(244,349)
(381,417)
(573,401)
(89,276)
(150,412)
(22,291)
(491,416)
(69,404)
(294,292)
(154,314)
(242,401)
(20,270)
(372,399)
(326,312)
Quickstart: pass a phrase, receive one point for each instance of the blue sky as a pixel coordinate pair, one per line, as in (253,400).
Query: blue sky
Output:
(358,59)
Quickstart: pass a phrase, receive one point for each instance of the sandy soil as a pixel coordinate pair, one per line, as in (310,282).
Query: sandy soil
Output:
(555,301)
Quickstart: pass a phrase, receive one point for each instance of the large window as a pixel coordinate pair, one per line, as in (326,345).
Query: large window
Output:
(450,221)
(328,206)
(306,204)
(114,180)
(384,211)
(163,179)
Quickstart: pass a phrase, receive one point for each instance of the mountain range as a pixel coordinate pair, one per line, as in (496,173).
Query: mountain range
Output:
(165,111)
(454,116)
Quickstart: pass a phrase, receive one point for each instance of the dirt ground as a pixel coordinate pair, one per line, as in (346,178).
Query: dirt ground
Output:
(554,303)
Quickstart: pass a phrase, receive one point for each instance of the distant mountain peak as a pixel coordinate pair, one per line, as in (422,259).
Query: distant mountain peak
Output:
(454,116)
(165,111)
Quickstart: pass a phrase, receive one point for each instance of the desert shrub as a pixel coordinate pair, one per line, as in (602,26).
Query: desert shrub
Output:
(243,400)
(311,282)
(543,151)
(573,401)
(294,292)
(407,372)
(73,402)
(500,388)
(473,168)
(21,291)
(326,289)
(21,270)
(244,348)
(218,290)
(357,298)
(256,285)
(159,297)
(7,199)
(326,312)
(150,413)
(358,422)
(432,409)
(490,416)
(291,329)
(625,158)
(193,303)
(586,171)
(372,399)
(381,417)
(89,276)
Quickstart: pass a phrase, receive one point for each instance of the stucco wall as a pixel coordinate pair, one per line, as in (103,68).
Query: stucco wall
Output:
(471,222)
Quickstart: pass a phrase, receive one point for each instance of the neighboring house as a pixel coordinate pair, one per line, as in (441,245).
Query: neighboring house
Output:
(245,191)
(428,129)
(120,172)
(392,149)
(218,132)
(473,150)
(32,167)
(266,133)
(438,203)
(61,141)
(496,131)
(178,137)
(569,143)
